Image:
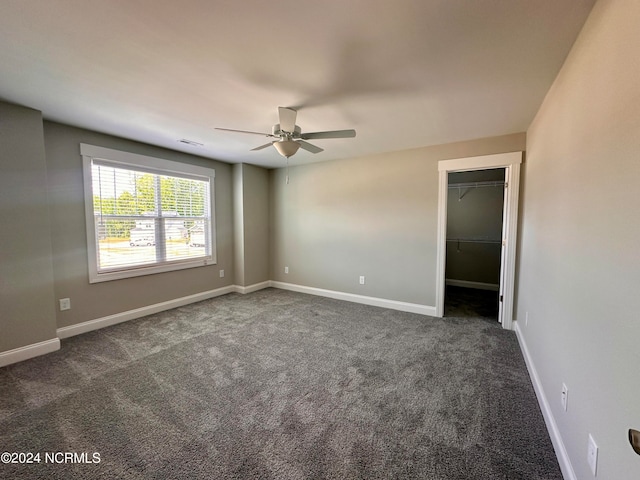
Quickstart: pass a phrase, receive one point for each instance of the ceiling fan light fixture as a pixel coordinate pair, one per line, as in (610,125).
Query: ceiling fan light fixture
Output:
(286,148)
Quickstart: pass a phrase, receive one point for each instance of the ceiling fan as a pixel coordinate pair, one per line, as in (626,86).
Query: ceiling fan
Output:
(289,136)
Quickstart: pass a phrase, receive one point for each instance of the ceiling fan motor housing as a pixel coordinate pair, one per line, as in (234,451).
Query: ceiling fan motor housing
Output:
(275,130)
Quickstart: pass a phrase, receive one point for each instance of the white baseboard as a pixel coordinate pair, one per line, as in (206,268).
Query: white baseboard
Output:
(252,288)
(90,325)
(477,285)
(351,297)
(552,426)
(109,320)
(84,327)
(29,351)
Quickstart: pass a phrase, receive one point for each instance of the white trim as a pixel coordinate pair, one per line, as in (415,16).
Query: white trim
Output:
(511,161)
(510,243)
(114,319)
(441,249)
(252,288)
(29,351)
(552,427)
(351,297)
(480,163)
(477,285)
(90,325)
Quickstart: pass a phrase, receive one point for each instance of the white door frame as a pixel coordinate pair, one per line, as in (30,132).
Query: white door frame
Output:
(511,161)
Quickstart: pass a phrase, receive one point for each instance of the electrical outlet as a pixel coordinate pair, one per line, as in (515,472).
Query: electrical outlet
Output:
(65,304)
(592,455)
(221,273)
(286,269)
(361,279)
(564,396)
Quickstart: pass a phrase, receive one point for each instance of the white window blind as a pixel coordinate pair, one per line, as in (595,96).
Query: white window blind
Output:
(145,217)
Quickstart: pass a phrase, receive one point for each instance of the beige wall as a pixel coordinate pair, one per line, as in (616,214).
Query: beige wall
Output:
(256,224)
(68,232)
(579,265)
(374,216)
(251,224)
(27,302)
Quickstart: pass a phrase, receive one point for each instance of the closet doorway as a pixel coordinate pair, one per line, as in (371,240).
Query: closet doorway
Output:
(475,205)
(496,237)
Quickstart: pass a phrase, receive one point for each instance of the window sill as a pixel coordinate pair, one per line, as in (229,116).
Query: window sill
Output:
(106,276)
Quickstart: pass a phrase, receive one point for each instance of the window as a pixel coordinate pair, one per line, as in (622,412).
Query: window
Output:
(145,215)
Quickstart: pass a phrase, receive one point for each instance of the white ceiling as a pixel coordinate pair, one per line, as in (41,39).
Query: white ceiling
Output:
(403,73)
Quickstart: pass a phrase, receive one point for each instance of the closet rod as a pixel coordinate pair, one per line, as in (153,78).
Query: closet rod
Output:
(495,183)
(473,240)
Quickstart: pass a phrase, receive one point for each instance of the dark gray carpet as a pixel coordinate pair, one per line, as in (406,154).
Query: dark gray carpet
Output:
(280,385)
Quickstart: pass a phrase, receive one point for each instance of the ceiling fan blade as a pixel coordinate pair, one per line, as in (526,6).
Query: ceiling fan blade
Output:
(245,131)
(309,147)
(331,134)
(262,146)
(287,119)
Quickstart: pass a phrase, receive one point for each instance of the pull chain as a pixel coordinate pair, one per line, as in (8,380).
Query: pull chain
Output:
(287,172)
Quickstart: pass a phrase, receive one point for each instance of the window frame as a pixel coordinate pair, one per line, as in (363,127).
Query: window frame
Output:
(153,165)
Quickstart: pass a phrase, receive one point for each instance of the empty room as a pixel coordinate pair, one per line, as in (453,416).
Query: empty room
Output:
(320,240)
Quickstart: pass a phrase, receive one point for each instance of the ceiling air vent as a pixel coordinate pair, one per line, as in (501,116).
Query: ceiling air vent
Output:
(191,142)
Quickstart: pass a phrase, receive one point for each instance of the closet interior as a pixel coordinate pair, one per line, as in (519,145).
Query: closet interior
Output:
(475,207)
